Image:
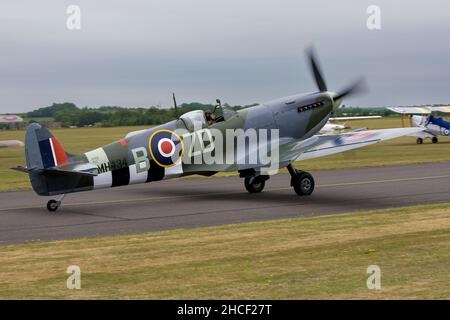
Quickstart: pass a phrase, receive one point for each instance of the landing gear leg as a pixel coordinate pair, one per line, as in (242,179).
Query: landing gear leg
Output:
(53,205)
(302,182)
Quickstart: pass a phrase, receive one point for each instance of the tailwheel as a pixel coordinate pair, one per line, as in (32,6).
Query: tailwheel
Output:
(255,184)
(52,205)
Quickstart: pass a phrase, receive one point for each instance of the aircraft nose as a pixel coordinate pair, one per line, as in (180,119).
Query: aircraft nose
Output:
(336,103)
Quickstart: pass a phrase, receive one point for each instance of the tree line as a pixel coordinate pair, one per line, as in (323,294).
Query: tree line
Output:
(68,114)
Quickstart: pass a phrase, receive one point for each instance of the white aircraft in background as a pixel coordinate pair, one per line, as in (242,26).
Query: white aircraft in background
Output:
(422,116)
(10,119)
(333,128)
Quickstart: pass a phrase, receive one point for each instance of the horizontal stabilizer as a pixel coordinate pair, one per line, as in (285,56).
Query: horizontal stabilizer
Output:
(85,169)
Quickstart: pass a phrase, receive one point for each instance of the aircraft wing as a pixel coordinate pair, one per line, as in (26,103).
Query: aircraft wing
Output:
(411,110)
(324,145)
(354,118)
(11,143)
(422,110)
(442,109)
(9,118)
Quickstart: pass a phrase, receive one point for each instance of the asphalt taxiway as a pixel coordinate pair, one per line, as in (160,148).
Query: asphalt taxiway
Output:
(188,203)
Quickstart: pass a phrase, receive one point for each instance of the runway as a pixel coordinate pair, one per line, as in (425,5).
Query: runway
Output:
(188,203)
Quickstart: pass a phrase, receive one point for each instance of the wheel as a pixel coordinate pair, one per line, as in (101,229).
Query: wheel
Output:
(254,184)
(303,184)
(419,141)
(52,205)
(434,140)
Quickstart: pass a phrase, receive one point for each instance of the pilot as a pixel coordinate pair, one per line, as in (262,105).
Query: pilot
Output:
(210,117)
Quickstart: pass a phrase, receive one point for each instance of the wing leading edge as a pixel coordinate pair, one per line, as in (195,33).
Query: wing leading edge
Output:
(324,145)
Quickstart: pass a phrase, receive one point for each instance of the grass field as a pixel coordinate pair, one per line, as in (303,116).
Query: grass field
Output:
(303,258)
(399,151)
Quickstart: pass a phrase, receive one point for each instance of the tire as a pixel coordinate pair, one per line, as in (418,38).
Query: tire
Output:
(303,184)
(52,205)
(419,141)
(434,140)
(254,184)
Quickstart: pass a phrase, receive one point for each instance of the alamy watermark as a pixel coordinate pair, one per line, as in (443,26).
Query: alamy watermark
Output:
(73,21)
(74,280)
(374,19)
(374,280)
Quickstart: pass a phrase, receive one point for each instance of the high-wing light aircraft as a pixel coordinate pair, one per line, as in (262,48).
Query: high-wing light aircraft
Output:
(426,117)
(204,143)
(10,119)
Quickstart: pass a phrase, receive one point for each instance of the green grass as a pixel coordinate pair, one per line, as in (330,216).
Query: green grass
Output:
(303,258)
(394,152)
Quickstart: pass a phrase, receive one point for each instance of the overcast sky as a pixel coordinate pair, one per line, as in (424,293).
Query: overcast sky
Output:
(135,53)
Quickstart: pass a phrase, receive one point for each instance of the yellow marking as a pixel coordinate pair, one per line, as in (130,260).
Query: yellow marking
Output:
(151,152)
(225,193)
(424,110)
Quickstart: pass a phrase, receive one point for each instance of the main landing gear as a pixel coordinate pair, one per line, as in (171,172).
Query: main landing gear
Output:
(302,182)
(53,205)
(255,184)
(433,140)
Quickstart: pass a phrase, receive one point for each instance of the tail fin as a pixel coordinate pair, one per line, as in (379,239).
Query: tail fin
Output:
(51,170)
(42,149)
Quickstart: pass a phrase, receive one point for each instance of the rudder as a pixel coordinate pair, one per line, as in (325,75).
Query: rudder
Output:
(42,150)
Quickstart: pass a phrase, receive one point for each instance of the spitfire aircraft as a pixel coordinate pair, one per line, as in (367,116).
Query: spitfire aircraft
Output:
(10,119)
(171,150)
(426,117)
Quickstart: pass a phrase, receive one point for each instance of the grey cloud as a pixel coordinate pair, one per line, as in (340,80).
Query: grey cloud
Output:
(135,53)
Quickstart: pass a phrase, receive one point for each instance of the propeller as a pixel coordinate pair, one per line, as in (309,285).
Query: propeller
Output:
(175,105)
(314,65)
(358,86)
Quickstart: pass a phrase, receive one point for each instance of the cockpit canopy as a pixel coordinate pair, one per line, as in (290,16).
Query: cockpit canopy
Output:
(194,120)
(198,119)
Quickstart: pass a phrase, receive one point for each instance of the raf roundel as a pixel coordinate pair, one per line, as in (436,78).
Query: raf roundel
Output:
(166,148)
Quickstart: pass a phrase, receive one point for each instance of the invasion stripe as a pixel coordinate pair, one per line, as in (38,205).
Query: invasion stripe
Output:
(121,177)
(156,172)
(99,157)
(174,171)
(136,177)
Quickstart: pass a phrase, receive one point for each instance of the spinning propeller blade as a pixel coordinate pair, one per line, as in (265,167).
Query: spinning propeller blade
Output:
(357,87)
